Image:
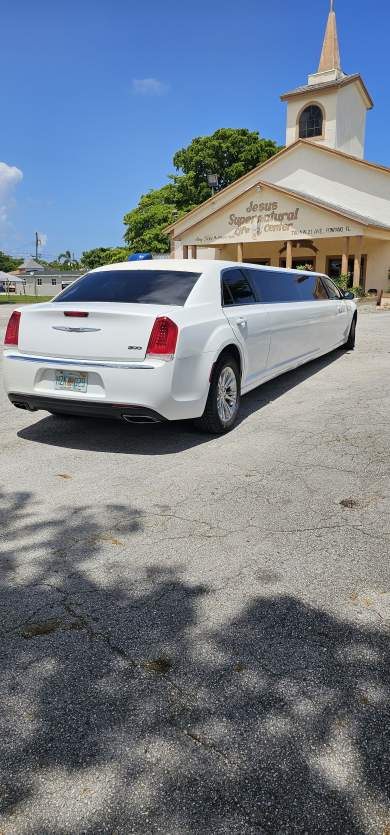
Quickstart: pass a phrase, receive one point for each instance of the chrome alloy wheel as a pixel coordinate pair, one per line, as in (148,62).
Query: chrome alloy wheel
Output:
(226,394)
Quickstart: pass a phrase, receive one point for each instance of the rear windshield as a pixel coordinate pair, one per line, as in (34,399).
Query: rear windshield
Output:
(134,286)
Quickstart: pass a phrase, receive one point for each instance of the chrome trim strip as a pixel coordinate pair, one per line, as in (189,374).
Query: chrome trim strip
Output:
(62,363)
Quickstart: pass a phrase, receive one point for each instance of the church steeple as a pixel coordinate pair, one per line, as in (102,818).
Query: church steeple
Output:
(331,108)
(330,55)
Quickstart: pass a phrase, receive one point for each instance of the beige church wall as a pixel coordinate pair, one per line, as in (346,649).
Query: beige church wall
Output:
(378,264)
(328,100)
(272,252)
(343,182)
(226,253)
(207,252)
(267,215)
(176,249)
(264,250)
(351,121)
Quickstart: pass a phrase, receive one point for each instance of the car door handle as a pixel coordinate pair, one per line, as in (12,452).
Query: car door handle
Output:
(241,321)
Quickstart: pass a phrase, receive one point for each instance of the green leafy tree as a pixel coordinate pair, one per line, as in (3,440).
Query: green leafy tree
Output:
(60,266)
(146,224)
(117,254)
(103,255)
(229,153)
(7,263)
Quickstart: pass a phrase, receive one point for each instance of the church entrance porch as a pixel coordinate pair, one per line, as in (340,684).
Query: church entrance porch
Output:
(299,264)
(334,269)
(363,259)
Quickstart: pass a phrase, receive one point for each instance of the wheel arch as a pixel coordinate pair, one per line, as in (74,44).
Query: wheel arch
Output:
(233,350)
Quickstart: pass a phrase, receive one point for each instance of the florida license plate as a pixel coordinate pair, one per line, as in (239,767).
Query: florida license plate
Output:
(71,382)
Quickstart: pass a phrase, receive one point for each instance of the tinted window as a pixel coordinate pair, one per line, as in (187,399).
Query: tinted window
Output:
(333,291)
(236,288)
(275,286)
(311,288)
(287,287)
(135,286)
(226,294)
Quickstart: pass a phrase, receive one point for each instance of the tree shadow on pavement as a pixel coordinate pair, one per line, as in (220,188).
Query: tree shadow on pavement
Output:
(124,711)
(162,438)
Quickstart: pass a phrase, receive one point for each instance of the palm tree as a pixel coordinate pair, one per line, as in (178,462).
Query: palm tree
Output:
(65,257)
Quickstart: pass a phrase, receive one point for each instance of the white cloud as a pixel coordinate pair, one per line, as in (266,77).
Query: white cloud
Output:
(149,87)
(9,179)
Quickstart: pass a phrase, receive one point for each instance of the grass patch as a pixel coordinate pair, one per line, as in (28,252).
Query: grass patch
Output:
(11,299)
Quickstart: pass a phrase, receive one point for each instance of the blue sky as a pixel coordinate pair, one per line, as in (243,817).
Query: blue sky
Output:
(96,97)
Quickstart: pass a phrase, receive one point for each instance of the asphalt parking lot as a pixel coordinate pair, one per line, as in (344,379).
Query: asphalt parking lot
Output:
(195,630)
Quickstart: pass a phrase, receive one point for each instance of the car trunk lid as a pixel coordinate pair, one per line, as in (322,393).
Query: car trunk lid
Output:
(103,331)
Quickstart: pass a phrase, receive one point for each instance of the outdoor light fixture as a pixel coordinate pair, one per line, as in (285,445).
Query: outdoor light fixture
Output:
(212,180)
(259,188)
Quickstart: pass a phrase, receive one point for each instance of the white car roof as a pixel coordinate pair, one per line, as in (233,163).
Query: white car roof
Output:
(197,265)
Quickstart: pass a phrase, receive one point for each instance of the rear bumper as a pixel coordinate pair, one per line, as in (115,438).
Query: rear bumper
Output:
(86,408)
(169,390)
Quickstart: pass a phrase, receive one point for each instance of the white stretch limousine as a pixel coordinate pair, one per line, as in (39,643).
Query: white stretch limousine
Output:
(165,340)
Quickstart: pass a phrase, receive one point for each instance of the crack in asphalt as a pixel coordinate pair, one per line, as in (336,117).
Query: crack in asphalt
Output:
(209,746)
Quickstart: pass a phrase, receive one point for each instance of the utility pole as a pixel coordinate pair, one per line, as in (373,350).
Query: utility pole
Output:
(36,245)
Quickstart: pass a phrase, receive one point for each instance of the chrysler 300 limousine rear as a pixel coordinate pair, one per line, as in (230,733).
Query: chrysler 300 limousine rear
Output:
(168,340)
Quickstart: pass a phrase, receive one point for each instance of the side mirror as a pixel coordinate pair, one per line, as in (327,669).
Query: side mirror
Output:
(348,294)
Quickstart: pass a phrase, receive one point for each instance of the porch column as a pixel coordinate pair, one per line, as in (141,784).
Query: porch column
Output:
(320,262)
(185,251)
(289,255)
(193,251)
(345,256)
(357,260)
(240,252)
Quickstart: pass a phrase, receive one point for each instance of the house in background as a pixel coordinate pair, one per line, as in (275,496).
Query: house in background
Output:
(40,281)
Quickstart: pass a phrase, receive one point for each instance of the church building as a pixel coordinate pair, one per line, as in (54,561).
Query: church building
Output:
(317,202)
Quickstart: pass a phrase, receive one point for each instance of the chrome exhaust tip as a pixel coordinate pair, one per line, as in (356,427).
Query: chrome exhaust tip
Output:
(139,419)
(23,405)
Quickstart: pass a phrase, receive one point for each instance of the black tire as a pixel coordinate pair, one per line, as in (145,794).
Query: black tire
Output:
(211,420)
(350,343)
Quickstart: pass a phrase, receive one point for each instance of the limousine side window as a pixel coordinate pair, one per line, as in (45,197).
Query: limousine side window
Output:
(274,287)
(311,288)
(278,287)
(236,288)
(333,291)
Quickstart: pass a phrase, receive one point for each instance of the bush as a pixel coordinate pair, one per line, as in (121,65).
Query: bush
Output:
(343,282)
(359,292)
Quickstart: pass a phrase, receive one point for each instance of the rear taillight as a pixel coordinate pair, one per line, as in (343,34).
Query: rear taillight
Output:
(163,338)
(12,332)
(81,313)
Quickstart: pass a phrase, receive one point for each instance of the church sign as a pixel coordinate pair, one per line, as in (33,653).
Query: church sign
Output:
(264,218)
